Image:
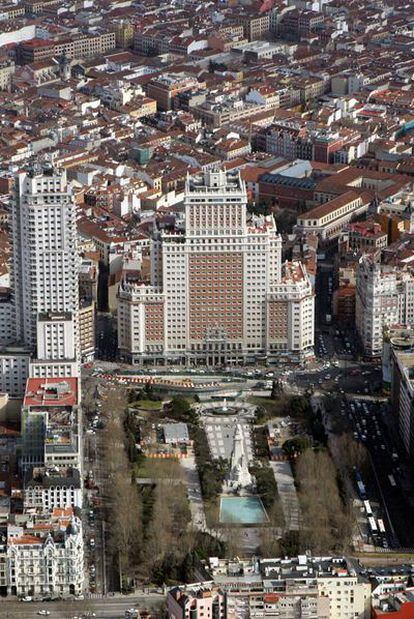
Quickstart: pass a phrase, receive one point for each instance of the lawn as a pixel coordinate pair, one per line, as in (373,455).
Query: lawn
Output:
(155,468)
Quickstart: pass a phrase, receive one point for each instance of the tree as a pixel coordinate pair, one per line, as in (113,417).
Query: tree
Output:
(289,544)
(326,521)
(295,446)
(265,485)
(277,390)
(124,505)
(181,410)
(149,390)
(167,539)
(352,454)
(269,544)
(299,406)
(317,426)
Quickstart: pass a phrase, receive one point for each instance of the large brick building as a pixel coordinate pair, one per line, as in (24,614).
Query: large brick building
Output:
(219,293)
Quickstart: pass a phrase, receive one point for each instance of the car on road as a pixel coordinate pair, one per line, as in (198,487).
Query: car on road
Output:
(27,598)
(44,613)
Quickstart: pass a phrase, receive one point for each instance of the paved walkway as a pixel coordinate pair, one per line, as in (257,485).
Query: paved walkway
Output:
(287,492)
(194,492)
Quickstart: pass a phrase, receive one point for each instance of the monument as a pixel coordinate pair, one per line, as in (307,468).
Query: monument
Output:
(239,478)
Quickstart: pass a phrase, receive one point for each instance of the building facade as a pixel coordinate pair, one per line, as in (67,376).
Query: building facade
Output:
(303,587)
(384,297)
(214,288)
(43,337)
(402,391)
(51,424)
(87,330)
(204,602)
(48,563)
(47,489)
(45,260)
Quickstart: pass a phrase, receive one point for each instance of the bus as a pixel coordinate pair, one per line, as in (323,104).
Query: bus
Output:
(381,526)
(372,524)
(368,509)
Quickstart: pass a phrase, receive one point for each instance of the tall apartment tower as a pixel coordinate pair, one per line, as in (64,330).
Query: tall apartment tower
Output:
(212,286)
(45,267)
(377,303)
(384,297)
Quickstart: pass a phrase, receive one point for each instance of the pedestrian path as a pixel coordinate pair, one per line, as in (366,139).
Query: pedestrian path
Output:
(194,492)
(287,493)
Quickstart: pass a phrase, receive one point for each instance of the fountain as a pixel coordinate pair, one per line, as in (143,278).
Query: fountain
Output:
(245,508)
(226,408)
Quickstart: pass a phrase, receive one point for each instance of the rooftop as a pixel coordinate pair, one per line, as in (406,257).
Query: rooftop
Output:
(288,181)
(216,181)
(175,432)
(334,205)
(51,392)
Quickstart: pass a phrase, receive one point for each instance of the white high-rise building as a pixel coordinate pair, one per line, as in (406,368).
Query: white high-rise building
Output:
(384,297)
(45,259)
(44,280)
(212,294)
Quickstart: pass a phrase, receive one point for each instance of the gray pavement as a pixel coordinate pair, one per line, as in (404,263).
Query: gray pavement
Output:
(220,434)
(194,492)
(287,492)
(111,607)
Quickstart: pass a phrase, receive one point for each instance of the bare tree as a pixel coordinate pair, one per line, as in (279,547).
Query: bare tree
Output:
(168,530)
(124,513)
(326,522)
(352,453)
(269,543)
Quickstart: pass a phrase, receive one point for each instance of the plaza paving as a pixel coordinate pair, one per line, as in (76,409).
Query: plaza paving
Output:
(220,435)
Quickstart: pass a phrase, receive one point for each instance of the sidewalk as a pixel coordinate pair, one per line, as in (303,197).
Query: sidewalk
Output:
(287,492)
(194,492)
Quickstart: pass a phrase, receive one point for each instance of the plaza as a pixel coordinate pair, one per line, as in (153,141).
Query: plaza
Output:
(220,435)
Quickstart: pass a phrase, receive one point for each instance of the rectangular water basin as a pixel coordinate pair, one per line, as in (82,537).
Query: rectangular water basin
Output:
(242,510)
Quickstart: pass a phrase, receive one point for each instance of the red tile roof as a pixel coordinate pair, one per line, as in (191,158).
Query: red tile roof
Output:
(44,392)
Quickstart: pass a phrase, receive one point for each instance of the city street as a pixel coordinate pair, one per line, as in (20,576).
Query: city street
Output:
(367,421)
(108,608)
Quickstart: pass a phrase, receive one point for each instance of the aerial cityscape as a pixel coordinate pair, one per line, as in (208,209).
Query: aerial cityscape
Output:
(207,309)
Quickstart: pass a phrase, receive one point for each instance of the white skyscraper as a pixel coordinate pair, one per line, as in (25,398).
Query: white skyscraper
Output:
(44,279)
(45,258)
